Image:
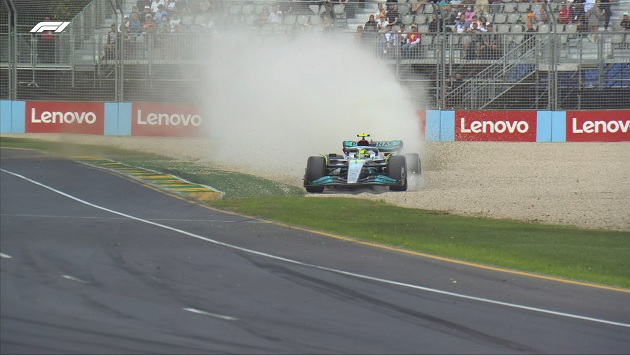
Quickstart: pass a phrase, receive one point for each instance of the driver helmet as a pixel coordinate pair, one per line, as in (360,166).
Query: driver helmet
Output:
(363,142)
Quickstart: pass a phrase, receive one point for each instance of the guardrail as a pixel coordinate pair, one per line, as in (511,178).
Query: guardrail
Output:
(187,120)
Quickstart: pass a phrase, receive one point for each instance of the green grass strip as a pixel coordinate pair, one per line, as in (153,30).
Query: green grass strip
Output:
(597,256)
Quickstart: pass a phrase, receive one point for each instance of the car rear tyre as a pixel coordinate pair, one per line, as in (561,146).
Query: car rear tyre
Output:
(414,165)
(315,169)
(397,170)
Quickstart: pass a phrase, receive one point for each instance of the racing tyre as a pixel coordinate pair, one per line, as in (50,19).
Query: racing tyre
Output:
(315,168)
(414,165)
(397,169)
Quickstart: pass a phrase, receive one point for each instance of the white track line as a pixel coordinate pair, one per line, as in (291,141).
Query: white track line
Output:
(242,220)
(341,272)
(74,279)
(198,311)
(5,256)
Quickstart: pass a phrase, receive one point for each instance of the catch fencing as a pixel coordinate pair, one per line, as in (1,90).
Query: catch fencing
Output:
(558,67)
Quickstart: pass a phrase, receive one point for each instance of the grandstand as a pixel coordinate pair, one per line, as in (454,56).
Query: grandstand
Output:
(558,67)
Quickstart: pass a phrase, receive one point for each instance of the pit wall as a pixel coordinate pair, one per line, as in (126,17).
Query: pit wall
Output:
(185,120)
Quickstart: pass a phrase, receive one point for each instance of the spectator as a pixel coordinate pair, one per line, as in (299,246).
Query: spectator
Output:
(160,14)
(392,5)
(134,10)
(489,48)
(564,15)
(531,22)
(46,45)
(123,24)
(147,11)
(176,20)
(624,25)
(450,15)
(382,22)
(349,7)
(416,7)
(402,35)
(380,10)
(469,15)
(287,8)
(263,18)
(436,24)
(164,26)
(328,8)
(471,49)
(170,6)
(275,16)
(481,6)
(540,13)
(604,5)
(529,38)
(588,4)
(392,16)
(530,26)
(413,41)
(390,40)
(360,34)
(142,3)
(579,17)
(385,40)
(110,44)
(371,25)
(460,23)
(148,26)
(135,26)
(593,16)
(155,4)
(483,22)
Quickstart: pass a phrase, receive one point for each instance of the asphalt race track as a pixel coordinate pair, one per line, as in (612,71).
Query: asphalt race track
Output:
(93,262)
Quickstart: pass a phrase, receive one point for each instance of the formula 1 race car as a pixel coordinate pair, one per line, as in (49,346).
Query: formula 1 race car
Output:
(363,163)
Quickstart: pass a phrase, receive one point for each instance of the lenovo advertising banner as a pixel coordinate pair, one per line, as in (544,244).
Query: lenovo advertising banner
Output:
(65,117)
(496,126)
(598,126)
(166,120)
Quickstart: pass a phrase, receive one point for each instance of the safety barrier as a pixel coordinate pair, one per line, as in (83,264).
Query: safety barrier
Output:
(187,120)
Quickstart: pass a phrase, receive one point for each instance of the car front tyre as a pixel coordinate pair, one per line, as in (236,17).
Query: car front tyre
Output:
(315,169)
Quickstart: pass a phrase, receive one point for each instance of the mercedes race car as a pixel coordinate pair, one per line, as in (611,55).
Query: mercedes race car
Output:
(363,163)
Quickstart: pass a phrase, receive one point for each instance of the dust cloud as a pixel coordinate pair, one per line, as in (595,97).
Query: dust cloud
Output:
(274,103)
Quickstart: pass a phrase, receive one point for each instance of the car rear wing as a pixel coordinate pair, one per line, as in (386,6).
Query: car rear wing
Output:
(383,146)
